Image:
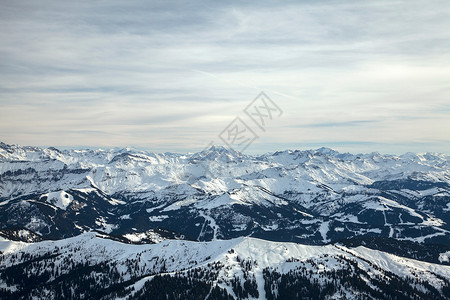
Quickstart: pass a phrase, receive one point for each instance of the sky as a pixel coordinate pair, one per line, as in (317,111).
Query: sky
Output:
(357,76)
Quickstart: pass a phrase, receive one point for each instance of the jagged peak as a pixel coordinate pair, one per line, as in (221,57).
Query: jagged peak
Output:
(217,153)
(328,151)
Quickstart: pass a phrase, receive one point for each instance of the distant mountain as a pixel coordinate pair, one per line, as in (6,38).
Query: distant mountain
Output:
(311,197)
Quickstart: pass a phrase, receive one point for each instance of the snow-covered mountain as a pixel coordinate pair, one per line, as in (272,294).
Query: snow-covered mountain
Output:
(313,197)
(218,224)
(95,267)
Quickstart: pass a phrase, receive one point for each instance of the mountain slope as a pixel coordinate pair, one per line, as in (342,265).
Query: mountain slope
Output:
(90,266)
(312,197)
(218,224)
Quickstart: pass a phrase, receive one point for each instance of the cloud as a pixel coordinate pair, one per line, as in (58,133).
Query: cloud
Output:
(338,124)
(171,75)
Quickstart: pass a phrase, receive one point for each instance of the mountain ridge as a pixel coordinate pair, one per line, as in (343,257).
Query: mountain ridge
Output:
(218,224)
(239,268)
(311,197)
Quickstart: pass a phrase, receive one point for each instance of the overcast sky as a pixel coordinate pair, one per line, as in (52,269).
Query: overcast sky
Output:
(356,76)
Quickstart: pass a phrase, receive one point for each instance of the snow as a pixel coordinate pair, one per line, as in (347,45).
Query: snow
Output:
(323,229)
(35,224)
(177,205)
(7,246)
(374,205)
(317,184)
(212,224)
(116,202)
(183,255)
(403,267)
(125,217)
(444,257)
(103,225)
(348,218)
(158,218)
(60,199)
(296,171)
(222,200)
(86,190)
(303,213)
(137,237)
(149,210)
(270,227)
(422,239)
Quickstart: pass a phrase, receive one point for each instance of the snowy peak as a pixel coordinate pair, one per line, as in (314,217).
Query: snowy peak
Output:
(217,154)
(327,151)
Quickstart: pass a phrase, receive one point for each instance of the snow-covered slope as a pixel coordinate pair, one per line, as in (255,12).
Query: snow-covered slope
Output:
(242,268)
(313,197)
(128,223)
(128,170)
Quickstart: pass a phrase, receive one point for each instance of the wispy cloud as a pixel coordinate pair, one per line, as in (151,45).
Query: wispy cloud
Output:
(338,124)
(171,75)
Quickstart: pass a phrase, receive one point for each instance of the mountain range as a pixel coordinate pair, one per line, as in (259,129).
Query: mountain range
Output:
(223,224)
